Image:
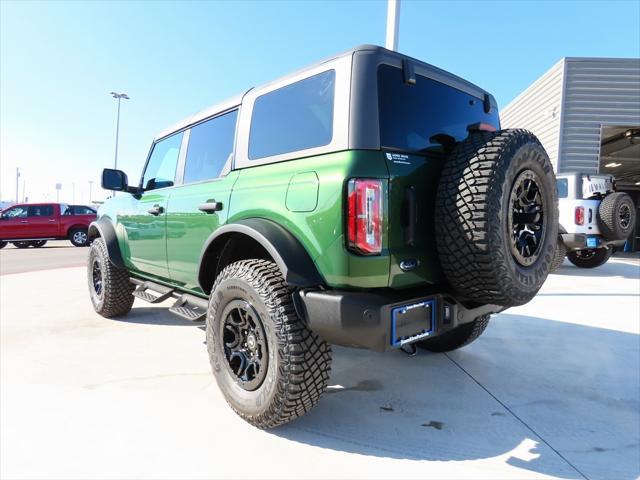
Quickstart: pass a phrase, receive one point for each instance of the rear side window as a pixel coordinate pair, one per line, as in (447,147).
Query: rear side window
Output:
(210,145)
(82,210)
(161,168)
(563,187)
(41,211)
(296,117)
(411,115)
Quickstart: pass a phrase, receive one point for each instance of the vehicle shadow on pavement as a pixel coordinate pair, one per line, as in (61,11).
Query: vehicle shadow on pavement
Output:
(155,316)
(609,269)
(527,379)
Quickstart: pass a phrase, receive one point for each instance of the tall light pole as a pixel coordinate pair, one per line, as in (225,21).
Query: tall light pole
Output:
(118,96)
(90,185)
(393,24)
(17,178)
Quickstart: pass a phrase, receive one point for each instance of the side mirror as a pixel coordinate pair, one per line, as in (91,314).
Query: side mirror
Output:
(114,180)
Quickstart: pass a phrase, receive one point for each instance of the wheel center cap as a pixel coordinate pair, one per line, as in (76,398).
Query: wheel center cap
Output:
(251,341)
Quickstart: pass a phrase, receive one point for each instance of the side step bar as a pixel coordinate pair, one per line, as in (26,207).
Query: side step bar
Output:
(187,306)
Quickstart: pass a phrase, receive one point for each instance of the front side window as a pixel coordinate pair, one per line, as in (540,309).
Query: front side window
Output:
(412,116)
(82,210)
(41,211)
(210,144)
(296,117)
(15,212)
(161,168)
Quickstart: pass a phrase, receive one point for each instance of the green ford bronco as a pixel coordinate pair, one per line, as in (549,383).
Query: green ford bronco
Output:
(370,200)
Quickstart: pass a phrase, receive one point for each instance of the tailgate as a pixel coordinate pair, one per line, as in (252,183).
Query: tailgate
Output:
(413,180)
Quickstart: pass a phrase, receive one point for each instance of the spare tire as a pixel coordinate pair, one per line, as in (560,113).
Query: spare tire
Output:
(616,216)
(496,217)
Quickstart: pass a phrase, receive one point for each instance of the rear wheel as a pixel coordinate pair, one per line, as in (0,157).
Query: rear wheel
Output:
(590,257)
(269,366)
(22,244)
(496,217)
(79,237)
(38,243)
(456,338)
(109,287)
(3,244)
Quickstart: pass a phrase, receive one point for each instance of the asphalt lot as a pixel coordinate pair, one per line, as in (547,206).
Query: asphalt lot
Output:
(551,390)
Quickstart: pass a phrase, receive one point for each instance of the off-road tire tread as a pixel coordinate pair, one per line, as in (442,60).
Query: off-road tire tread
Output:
(456,338)
(607,218)
(558,259)
(466,217)
(305,357)
(118,290)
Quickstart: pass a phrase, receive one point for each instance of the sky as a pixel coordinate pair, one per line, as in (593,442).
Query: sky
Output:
(60,60)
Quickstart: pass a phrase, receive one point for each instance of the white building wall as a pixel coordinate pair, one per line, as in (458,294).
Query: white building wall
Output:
(598,91)
(567,107)
(538,109)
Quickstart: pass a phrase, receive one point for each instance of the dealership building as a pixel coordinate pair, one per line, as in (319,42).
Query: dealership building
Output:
(586,113)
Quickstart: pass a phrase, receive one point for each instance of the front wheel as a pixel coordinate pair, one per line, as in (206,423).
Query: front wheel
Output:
(79,237)
(590,257)
(456,338)
(38,243)
(269,366)
(22,244)
(558,257)
(109,287)
(3,244)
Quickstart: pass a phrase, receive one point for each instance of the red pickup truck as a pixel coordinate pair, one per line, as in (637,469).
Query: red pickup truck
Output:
(31,225)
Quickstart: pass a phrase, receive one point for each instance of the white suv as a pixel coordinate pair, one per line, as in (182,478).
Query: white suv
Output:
(594,218)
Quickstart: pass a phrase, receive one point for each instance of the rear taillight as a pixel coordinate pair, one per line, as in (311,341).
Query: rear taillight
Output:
(364,216)
(579,215)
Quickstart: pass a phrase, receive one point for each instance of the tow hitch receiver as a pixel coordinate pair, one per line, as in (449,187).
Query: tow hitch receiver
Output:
(412,322)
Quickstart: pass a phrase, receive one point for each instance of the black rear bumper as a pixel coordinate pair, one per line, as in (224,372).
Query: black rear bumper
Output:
(366,320)
(578,241)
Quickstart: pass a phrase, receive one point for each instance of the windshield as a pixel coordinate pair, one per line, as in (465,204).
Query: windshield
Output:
(411,115)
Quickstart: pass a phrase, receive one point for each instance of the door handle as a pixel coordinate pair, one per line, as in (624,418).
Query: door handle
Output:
(52,220)
(24,221)
(210,206)
(156,210)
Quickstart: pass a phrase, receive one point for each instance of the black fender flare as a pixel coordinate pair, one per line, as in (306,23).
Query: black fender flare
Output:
(294,261)
(104,228)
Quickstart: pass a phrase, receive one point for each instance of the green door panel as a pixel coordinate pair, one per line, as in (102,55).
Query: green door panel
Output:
(144,233)
(188,228)
(302,193)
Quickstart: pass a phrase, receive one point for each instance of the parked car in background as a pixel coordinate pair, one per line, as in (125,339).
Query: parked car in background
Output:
(32,225)
(594,218)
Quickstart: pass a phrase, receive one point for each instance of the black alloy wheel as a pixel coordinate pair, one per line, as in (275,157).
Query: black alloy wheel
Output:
(245,344)
(527,218)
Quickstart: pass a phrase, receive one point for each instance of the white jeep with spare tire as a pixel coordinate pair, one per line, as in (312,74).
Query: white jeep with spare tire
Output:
(594,219)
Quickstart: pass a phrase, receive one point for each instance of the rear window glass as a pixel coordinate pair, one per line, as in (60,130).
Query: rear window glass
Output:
(411,115)
(563,187)
(296,117)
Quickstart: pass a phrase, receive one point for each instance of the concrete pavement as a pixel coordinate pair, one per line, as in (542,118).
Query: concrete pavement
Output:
(55,254)
(551,390)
